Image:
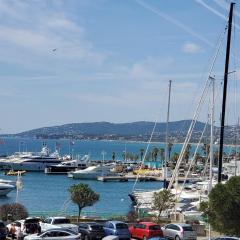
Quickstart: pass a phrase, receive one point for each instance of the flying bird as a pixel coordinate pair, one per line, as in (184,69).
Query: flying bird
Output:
(54,49)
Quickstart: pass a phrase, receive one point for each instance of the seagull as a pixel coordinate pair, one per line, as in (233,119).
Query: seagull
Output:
(54,49)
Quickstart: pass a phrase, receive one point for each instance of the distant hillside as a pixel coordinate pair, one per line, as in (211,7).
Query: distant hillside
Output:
(107,128)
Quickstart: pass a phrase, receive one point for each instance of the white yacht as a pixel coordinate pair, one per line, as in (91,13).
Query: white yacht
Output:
(92,172)
(5,188)
(68,166)
(30,161)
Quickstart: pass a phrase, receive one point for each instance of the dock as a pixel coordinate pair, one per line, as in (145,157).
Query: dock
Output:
(127,178)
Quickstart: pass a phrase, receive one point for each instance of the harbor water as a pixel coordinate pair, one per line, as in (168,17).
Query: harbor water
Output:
(44,194)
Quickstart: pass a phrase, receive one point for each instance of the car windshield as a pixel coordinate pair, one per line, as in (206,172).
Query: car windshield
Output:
(154,227)
(61,221)
(96,227)
(32,220)
(121,226)
(187,228)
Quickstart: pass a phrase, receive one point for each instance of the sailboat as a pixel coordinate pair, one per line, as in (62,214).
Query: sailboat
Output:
(144,199)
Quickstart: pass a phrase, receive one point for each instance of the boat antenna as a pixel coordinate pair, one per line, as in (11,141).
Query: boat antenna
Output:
(220,160)
(167,140)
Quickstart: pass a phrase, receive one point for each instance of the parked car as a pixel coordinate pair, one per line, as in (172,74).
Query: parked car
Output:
(3,231)
(179,231)
(145,230)
(27,226)
(225,238)
(91,230)
(57,233)
(58,222)
(157,238)
(117,228)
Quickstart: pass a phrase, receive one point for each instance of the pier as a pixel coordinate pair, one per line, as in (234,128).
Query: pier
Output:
(126,178)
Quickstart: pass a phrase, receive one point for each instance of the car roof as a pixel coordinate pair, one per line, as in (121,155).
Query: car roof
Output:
(90,223)
(226,237)
(148,223)
(181,224)
(116,222)
(60,229)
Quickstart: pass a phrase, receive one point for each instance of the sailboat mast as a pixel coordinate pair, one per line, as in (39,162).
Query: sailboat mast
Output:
(167,142)
(220,160)
(212,128)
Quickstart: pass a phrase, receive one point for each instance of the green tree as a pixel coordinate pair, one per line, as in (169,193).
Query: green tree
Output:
(141,153)
(13,211)
(187,152)
(162,201)
(162,153)
(83,196)
(170,145)
(155,153)
(113,156)
(175,158)
(223,207)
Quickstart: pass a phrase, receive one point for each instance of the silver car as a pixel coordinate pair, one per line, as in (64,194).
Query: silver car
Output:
(55,234)
(179,231)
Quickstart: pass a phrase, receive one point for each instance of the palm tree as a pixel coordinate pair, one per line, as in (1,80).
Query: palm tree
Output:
(155,153)
(162,153)
(175,158)
(187,152)
(170,145)
(141,153)
(113,156)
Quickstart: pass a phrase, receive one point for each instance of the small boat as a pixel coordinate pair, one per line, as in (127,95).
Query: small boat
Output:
(14,173)
(7,181)
(92,172)
(5,188)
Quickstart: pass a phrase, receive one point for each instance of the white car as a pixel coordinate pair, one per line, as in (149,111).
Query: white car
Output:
(58,222)
(55,234)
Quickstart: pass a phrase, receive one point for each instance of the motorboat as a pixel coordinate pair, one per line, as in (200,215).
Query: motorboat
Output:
(68,166)
(14,173)
(92,172)
(30,161)
(5,188)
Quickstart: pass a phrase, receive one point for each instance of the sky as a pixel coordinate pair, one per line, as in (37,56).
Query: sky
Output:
(69,61)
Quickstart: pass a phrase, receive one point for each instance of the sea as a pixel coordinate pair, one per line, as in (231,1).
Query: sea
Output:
(45,195)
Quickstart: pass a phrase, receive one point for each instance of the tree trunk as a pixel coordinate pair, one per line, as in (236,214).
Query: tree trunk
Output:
(79,213)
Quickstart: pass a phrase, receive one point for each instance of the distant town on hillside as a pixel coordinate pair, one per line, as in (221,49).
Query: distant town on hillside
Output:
(135,131)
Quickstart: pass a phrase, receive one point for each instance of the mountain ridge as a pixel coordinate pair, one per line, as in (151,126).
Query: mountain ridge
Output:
(104,127)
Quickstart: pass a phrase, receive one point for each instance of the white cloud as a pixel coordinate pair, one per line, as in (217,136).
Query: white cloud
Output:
(191,48)
(33,32)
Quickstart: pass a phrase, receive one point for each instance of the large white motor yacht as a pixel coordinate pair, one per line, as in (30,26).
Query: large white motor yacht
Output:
(30,161)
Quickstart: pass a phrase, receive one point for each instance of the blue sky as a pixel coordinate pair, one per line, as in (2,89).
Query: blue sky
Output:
(112,62)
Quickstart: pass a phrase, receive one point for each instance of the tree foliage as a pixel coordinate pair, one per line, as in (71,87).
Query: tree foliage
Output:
(83,196)
(223,208)
(162,201)
(13,211)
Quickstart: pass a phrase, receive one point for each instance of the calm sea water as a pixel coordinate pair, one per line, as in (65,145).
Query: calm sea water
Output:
(43,193)
(94,148)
